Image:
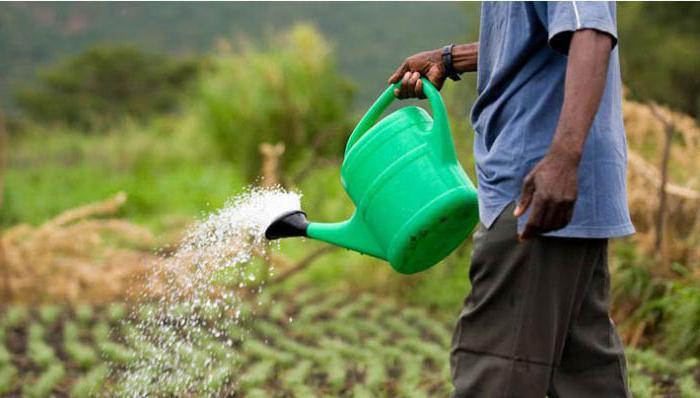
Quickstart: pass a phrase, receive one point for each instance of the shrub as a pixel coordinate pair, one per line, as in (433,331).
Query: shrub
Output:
(106,83)
(288,91)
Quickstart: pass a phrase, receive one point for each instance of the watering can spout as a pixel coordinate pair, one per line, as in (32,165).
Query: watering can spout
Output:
(352,234)
(288,225)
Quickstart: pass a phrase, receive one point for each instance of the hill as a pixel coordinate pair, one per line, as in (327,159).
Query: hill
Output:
(370,38)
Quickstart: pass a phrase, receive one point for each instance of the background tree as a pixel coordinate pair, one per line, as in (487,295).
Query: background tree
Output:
(106,83)
(659,52)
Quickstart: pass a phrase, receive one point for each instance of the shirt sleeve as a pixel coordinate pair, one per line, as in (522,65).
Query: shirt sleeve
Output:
(563,18)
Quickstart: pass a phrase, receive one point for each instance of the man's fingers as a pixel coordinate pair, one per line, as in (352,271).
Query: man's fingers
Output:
(525,198)
(535,220)
(396,76)
(553,218)
(413,84)
(419,89)
(403,91)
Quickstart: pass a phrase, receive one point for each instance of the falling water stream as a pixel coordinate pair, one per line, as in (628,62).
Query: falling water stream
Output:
(182,339)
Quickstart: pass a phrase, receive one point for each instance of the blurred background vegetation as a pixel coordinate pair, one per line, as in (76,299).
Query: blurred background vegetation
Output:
(124,122)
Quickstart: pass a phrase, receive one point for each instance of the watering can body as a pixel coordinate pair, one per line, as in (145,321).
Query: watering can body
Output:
(414,202)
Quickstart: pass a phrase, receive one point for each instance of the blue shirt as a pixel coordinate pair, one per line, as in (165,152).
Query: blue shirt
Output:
(521,71)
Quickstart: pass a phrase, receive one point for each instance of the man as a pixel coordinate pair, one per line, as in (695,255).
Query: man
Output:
(550,155)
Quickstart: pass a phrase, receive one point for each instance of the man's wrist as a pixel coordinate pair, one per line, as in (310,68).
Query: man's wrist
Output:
(569,153)
(465,57)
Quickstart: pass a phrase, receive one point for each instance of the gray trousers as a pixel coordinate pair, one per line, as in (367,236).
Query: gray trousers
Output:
(536,322)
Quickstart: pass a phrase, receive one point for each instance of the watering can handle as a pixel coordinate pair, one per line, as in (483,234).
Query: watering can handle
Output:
(387,97)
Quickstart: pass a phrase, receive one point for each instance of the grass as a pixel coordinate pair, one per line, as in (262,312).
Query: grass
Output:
(302,342)
(167,184)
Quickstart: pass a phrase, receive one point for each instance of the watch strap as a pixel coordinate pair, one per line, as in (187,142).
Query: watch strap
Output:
(447,62)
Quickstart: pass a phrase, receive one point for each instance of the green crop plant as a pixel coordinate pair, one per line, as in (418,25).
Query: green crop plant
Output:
(311,311)
(89,384)
(642,386)
(235,332)
(375,374)
(352,308)
(302,350)
(342,329)
(219,377)
(425,348)
(360,391)
(368,328)
(401,327)
(38,351)
(338,346)
(278,312)
(5,356)
(84,313)
(8,375)
(411,374)
(257,393)
(261,350)
(82,354)
(301,390)
(351,348)
(116,312)
(335,371)
(100,332)
(688,388)
(116,353)
(14,316)
(257,374)
(298,374)
(45,383)
(307,296)
(268,329)
(49,313)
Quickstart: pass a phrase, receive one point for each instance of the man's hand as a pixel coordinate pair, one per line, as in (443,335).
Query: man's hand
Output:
(550,189)
(428,64)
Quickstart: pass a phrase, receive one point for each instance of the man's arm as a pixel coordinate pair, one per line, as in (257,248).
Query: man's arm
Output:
(551,187)
(429,65)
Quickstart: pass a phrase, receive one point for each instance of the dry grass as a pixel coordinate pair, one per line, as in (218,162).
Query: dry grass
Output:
(78,256)
(645,132)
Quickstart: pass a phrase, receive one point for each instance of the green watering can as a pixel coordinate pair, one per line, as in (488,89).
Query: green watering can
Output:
(414,203)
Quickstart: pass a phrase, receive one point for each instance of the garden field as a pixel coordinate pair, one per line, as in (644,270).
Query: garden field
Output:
(142,121)
(304,343)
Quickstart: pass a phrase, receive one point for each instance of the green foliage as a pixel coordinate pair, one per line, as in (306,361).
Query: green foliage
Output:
(105,84)
(88,385)
(84,313)
(288,92)
(670,36)
(38,351)
(669,306)
(651,375)
(166,168)
(49,313)
(8,375)
(15,315)
(116,311)
(82,354)
(347,345)
(46,382)
(682,319)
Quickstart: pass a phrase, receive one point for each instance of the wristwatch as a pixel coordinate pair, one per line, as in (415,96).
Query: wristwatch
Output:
(447,62)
